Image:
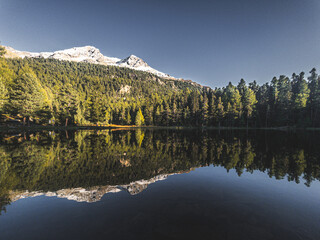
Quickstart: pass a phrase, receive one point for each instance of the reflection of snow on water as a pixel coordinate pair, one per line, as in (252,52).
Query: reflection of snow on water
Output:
(92,194)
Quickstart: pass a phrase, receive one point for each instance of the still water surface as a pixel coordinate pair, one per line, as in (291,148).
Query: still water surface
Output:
(160,184)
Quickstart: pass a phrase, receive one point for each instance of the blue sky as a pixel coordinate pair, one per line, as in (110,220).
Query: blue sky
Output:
(211,42)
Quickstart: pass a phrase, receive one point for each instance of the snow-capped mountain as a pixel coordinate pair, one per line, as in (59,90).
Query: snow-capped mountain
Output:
(89,54)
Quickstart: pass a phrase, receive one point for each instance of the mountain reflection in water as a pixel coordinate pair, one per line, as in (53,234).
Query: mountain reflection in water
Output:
(84,165)
(92,194)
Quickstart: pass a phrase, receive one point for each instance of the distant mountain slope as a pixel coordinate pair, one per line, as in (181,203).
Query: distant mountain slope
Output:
(89,54)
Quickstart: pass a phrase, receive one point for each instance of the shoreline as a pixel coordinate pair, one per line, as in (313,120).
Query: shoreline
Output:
(132,127)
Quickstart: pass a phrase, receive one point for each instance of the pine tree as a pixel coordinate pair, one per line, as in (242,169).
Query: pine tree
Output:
(139,118)
(174,113)
(157,116)
(79,117)
(107,116)
(212,109)
(148,114)
(67,104)
(4,96)
(254,86)
(204,110)
(186,116)
(232,98)
(242,86)
(263,105)
(314,99)
(6,78)
(166,114)
(27,96)
(128,117)
(301,93)
(194,107)
(220,111)
(249,99)
(284,99)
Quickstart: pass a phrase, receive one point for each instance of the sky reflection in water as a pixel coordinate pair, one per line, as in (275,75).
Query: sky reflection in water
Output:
(202,201)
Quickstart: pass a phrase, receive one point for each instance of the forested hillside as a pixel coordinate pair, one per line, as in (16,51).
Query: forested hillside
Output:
(48,91)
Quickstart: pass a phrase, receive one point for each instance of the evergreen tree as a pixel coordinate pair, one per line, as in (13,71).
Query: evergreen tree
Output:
(220,111)
(301,93)
(254,86)
(314,100)
(139,118)
(27,96)
(242,86)
(157,116)
(148,114)
(166,114)
(107,116)
(249,99)
(204,110)
(186,116)
(232,99)
(212,109)
(79,117)
(6,78)
(3,96)
(67,105)
(174,113)
(128,117)
(263,104)
(284,99)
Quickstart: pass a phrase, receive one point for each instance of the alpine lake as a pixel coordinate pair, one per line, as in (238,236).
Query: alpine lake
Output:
(160,184)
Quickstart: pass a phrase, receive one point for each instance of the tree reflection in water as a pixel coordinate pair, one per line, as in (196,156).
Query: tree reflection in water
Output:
(46,162)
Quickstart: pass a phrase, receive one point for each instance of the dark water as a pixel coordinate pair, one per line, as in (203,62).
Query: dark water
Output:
(160,184)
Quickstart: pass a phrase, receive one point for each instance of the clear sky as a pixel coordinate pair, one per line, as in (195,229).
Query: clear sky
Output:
(211,42)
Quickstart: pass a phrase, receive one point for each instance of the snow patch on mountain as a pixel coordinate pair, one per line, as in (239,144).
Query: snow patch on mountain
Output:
(90,54)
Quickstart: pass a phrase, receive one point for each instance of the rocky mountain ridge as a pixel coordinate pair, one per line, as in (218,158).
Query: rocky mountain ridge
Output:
(89,54)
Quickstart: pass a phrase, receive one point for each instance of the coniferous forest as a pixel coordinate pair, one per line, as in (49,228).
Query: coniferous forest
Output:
(52,92)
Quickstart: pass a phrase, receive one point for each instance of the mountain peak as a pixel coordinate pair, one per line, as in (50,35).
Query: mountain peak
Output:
(133,56)
(78,54)
(134,62)
(83,49)
(89,54)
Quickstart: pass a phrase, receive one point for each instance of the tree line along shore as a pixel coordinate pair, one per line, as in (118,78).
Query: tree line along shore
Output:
(48,92)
